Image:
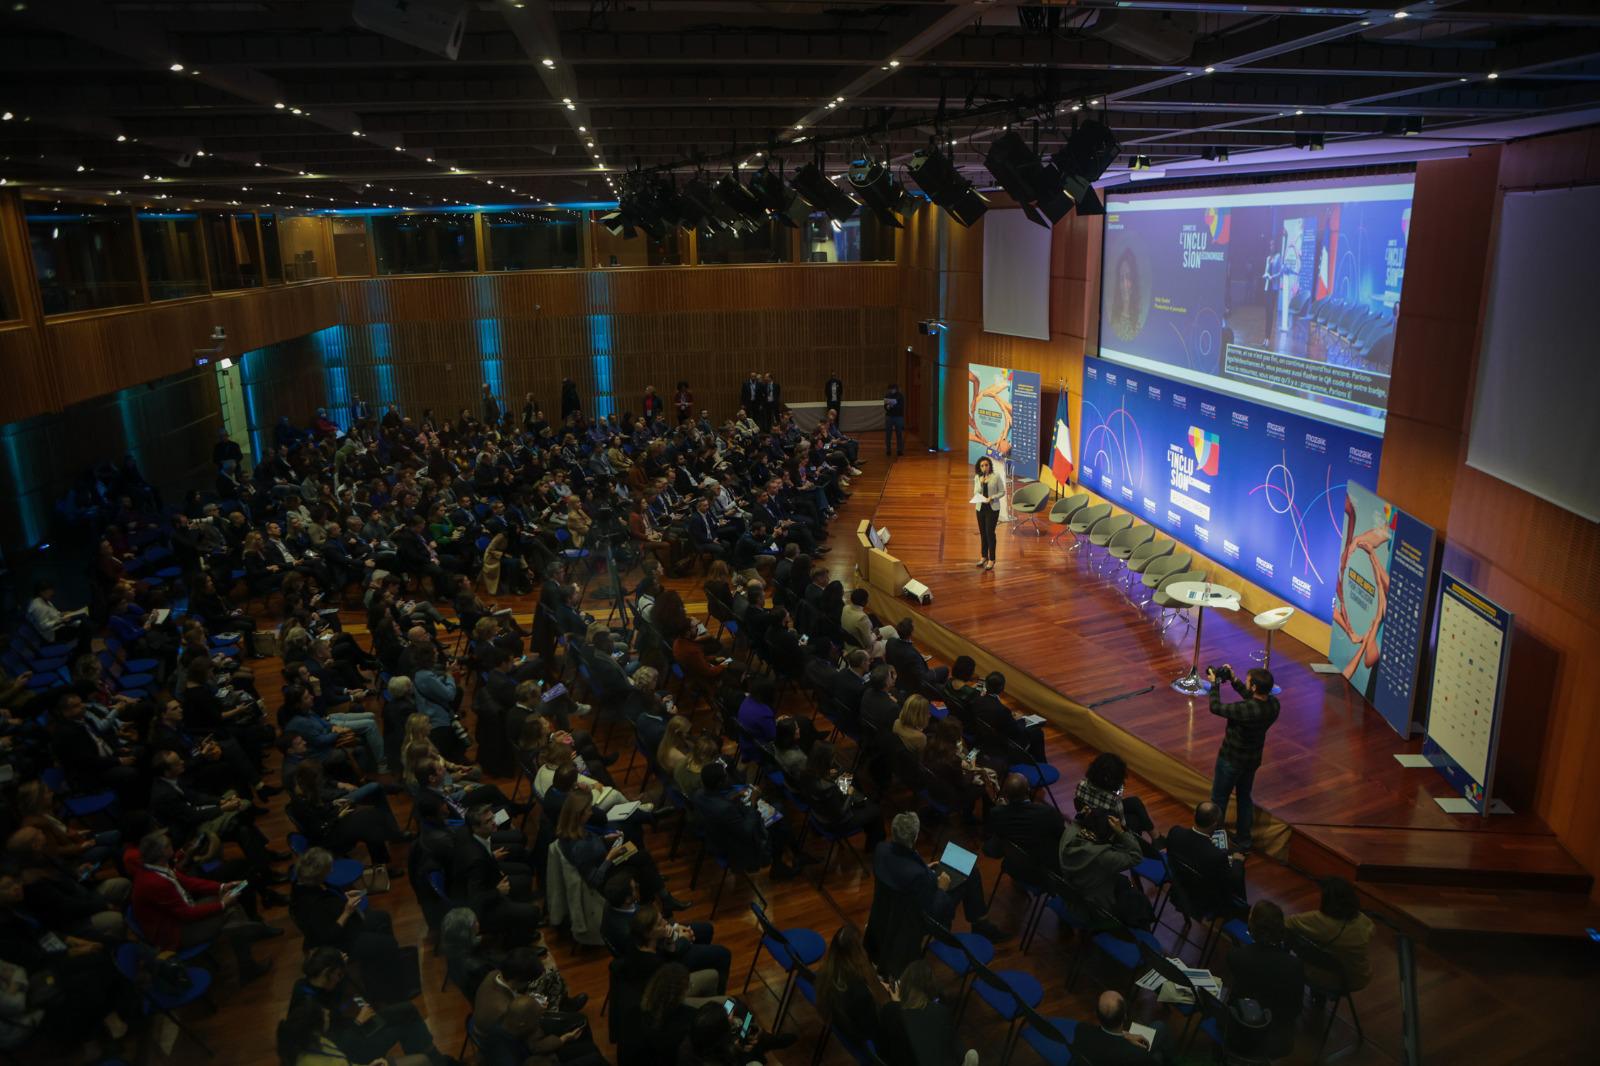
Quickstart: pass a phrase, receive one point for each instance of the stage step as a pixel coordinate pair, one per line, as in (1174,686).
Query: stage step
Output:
(1508,912)
(1486,860)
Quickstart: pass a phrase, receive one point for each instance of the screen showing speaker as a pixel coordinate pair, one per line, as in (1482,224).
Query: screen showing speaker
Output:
(1283,294)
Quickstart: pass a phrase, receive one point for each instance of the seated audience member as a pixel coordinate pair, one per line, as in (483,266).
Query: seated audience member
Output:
(674,747)
(857,625)
(51,624)
(849,684)
(691,945)
(38,809)
(1095,854)
(1110,1043)
(957,779)
(187,811)
(1101,789)
(990,713)
(1338,927)
(64,893)
(849,993)
(510,1013)
(356,1028)
(960,691)
(1267,972)
(911,727)
(91,997)
(468,960)
(328,916)
(786,747)
(493,879)
(915,1029)
(604,861)
(1213,877)
(915,673)
(176,911)
(837,808)
(1032,827)
(89,760)
(905,888)
(338,816)
(664,1017)
(880,705)
(703,751)
(734,826)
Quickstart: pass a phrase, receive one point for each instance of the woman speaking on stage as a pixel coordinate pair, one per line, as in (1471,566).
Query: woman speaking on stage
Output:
(988,494)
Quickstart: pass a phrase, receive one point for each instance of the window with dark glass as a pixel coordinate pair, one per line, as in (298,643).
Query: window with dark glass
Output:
(174,261)
(303,242)
(233,249)
(531,240)
(862,239)
(416,243)
(350,247)
(763,244)
(83,256)
(271,251)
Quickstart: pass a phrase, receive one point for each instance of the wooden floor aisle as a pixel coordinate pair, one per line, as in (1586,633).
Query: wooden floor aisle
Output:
(1480,1003)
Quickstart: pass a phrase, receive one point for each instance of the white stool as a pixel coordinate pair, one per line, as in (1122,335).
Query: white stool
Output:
(1271,621)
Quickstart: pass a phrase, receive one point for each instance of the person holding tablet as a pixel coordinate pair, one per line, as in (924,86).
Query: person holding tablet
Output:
(906,888)
(988,494)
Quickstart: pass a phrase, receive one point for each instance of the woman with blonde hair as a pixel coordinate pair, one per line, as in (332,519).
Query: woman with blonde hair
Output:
(558,752)
(673,751)
(704,751)
(912,725)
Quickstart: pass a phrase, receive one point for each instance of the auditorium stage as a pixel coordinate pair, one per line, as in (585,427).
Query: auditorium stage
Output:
(1332,795)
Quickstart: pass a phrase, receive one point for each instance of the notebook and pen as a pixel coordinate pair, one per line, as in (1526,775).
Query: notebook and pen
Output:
(958,862)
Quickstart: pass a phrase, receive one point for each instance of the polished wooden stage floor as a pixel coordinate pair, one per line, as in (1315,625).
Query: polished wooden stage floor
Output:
(1329,770)
(1482,1001)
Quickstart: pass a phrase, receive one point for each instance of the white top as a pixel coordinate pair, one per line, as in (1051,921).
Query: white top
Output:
(1205,594)
(997,488)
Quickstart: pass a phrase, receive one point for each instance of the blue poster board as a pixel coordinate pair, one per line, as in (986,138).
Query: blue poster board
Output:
(1380,609)
(1025,425)
(1464,702)
(1258,489)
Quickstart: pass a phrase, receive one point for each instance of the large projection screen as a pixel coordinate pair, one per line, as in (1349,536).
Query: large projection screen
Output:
(1016,276)
(1284,294)
(1534,419)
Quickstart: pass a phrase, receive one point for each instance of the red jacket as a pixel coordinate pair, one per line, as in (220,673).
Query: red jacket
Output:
(159,908)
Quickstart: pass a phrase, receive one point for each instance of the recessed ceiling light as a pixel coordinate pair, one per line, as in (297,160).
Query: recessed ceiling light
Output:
(296,110)
(280,105)
(121,137)
(1493,75)
(80,168)
(1094,103)
(1211,70)
(572,107)
(258,164)
(894,62)
(429,159)
(583,129)
(7,117)
(547,62)
(355,133)
(1402,14)
(176,68)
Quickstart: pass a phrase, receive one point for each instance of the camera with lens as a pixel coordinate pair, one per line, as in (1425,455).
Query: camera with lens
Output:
(1223,674)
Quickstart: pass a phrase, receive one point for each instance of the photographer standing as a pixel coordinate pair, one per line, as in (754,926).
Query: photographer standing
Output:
(1240,756)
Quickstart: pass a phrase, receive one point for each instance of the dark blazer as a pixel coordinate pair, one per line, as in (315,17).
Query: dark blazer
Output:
(181,806)
(474,874)
(1277,980)
(848,688)
(316,909)
(908,663)
(734,828)
(925,1037)
(905,888)
(988,709)
(879,709)
(1216,878)
(77,752)
(1032,826)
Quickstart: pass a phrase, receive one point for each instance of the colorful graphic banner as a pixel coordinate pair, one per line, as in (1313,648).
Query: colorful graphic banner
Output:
(1469,669)
(1257,489)
(989,413)
(1380,610)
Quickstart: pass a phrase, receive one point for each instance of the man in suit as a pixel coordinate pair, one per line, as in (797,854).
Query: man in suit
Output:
(704,536)
(1265,971)
(833,392)
(750,397)
(879,704)
(733,824)
(484,876)
(1110,1044)
(628,925)
(88,758)
(1211,873)
(902,654)
(988,710)
(491,407)
(850,683)
(176,911)
(771,398)
(180,807)
(1035,828)
(905,888)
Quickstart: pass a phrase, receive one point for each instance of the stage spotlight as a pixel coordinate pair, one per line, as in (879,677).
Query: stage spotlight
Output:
(1034,184)
(743,203)
(946,187)
(1139,162)
(1311,142)
(1217,154)
(776,197)
(871,184)
(697,208)
(822,194)
(1086,155)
